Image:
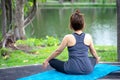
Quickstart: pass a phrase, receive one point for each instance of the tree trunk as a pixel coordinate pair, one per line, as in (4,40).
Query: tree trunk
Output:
(118,28)
(8,5)
(4,19)
(19,31)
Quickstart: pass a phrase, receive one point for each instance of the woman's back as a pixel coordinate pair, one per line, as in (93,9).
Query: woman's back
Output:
(78,62)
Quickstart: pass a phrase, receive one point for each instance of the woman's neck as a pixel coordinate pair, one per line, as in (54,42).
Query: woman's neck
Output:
(78,31)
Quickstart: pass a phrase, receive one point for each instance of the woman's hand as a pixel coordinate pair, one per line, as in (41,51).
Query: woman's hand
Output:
(98,59)
(45,64)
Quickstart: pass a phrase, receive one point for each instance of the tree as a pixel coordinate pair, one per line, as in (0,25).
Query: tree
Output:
(118,28)
(14,31)
(3,17)
(19,31)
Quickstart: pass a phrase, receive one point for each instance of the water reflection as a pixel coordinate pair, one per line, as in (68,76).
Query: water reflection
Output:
(100,23)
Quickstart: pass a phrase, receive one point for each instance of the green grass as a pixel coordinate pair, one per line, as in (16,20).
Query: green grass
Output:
(18,57)
(107,53)
(38,54)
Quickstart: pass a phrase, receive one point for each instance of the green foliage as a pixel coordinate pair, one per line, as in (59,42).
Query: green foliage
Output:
(48,41)
(30,42)
(27,7)
(4,53)
(51,41)
(3,50)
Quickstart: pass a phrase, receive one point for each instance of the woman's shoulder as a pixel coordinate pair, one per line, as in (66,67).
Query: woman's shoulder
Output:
(88,35)
(87,39)
(68,35)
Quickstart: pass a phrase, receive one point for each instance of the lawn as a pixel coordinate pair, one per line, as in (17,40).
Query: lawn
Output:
(42,48)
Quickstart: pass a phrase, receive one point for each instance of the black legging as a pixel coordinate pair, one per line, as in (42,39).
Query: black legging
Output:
(59,65)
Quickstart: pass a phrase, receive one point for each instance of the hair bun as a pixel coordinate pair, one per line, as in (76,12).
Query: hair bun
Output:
(77,11)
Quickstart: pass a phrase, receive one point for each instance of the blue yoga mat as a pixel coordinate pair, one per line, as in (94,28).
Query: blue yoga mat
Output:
(100,70)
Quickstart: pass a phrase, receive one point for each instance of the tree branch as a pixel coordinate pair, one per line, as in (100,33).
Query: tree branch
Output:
(31,14)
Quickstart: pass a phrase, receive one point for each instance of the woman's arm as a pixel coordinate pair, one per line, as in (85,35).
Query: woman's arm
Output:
(56,52)
(93,51)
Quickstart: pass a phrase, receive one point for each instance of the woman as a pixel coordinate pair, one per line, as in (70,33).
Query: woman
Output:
(78,44)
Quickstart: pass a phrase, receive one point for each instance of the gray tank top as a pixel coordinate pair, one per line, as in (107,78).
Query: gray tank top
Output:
(78,62)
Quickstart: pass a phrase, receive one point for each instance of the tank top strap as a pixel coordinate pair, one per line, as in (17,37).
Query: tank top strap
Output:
(79,37)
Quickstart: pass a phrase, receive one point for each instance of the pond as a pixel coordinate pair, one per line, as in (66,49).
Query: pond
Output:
(101,23)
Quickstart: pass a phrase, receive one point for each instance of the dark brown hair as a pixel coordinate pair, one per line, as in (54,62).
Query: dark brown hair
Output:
(77,21)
